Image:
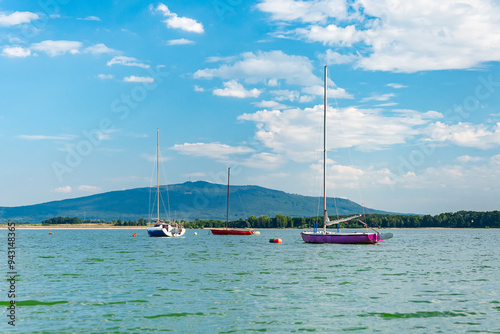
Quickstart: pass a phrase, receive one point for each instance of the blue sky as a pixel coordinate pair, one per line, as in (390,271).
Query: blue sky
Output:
(414,96)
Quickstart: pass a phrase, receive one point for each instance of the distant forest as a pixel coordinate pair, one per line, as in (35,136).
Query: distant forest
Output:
(460,219)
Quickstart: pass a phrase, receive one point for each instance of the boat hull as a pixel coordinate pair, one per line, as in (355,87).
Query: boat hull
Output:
(231,232)
(168,232)
(340,238)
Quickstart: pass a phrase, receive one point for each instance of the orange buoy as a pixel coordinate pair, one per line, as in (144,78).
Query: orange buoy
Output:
(134,235)
(276,241)
(50,232)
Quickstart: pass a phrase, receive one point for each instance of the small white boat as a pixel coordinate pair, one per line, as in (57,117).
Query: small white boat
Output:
(166,229)
(161,228)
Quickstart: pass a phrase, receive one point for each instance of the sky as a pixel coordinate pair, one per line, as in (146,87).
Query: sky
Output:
(413,98)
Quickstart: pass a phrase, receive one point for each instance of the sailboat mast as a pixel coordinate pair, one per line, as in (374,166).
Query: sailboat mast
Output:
(325,214)
(158,174)
(227,206)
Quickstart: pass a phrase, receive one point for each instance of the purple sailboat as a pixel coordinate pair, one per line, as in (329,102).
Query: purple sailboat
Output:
(324,237)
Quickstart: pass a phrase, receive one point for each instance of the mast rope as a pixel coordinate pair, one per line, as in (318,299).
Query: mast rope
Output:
(167,210)
(317,158)
(242,207)
(151,207)
(326,112)
(371,216)
(349,154)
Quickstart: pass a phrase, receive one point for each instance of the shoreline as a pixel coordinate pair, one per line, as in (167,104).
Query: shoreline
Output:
(75,227)
(110,227)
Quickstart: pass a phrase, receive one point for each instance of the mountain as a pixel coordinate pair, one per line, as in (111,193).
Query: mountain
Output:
(189,201)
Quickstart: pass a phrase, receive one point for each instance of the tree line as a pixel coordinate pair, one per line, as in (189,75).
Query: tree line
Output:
(460,219)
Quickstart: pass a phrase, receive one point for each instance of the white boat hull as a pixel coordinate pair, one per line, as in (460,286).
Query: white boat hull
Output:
(165,230)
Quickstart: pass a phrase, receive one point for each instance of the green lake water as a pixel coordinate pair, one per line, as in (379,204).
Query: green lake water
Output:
(107,281)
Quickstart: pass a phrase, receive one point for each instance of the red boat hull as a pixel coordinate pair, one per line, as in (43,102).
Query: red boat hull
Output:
(231,232)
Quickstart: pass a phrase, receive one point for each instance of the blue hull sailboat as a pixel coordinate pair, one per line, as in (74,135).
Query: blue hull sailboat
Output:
(161,228)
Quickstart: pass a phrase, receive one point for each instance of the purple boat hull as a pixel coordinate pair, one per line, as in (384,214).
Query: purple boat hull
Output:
(340,238)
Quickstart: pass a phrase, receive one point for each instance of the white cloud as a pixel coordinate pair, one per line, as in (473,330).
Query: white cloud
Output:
(350,179)
(335,58)
(427,35)
(133,78)
(105,76)
(432,114)
(216,59)
(388,104)
(466,159)
(295,133)
(57,48)
(198,89)
(306,98)
(88,188)
(456,178)
(263,160)
(331,34)
(465,134)
(265,66)
(304,11)
(415,118)
(270,105)
(178,22)
(289,133)
(90,18)
(66,189)
(235,89)
(285,94)
(153,158)
(380,97)
(99,48)
(16,51)
(126,61)
(180,41)
(211,150)
(397,36)
(16,18)
(43,137)
(195,174)
(318,90)
(272,82)
(396,85)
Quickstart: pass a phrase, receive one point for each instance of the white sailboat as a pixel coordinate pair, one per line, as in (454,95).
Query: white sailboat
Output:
(162,228)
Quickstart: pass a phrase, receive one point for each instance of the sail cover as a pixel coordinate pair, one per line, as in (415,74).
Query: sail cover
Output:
(332,222)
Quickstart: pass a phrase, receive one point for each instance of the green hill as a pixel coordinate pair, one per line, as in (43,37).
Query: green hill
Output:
(188,201)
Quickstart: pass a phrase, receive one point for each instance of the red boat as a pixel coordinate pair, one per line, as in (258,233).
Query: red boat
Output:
(223,231)
(228,231)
